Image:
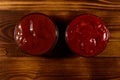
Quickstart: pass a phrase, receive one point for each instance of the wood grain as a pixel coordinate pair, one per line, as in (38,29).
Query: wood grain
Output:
(59,69)
(58,5)
(15,64)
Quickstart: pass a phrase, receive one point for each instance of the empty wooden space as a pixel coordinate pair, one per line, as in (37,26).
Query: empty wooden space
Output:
(17,65)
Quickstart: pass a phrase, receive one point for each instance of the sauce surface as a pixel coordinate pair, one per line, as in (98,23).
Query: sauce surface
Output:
(87,35)
(35,34)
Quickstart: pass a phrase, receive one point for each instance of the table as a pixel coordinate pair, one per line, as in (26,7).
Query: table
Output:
(17,65)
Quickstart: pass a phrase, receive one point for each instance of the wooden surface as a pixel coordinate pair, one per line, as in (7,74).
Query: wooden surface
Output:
(17,65)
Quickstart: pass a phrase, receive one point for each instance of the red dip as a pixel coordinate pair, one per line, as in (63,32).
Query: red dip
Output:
(36,34)
(87,35)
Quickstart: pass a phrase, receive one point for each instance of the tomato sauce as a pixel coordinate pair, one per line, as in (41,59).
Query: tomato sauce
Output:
(87,35)
(35,34)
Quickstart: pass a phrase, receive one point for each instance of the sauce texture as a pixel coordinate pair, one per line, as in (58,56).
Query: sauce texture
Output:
(35,34)
(87,35)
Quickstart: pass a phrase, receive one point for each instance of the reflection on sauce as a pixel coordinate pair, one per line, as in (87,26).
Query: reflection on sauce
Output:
(87,35)
(36,34)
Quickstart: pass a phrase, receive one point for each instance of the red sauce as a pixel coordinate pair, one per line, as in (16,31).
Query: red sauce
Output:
(87,35)
(36,34)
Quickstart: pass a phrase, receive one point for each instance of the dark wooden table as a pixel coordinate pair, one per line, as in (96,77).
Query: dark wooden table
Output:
(17,65)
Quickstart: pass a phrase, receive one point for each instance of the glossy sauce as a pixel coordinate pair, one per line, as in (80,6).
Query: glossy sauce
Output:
(87,35)
(35,34)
